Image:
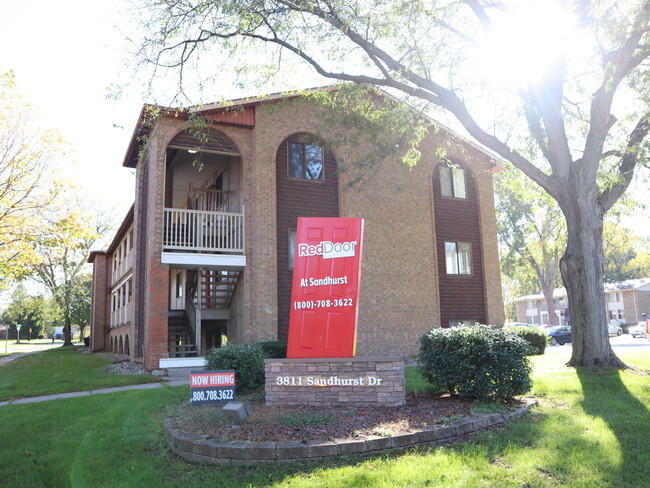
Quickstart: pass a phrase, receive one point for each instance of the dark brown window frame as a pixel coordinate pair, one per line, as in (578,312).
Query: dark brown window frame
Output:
(305,143)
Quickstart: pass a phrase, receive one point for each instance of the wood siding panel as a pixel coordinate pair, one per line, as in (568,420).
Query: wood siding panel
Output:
(457,220)
(298,198)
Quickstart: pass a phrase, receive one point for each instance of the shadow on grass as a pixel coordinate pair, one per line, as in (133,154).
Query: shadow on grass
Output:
(116,440)
(607,397)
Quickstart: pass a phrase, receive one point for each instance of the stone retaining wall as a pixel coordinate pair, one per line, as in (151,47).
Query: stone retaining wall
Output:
(369,381)
(197,448)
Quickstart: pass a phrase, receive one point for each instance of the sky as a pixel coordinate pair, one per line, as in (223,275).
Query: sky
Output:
(65,56)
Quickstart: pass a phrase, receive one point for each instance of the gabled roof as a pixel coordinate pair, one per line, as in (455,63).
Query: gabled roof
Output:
(119,235)
(642,284)
(228,111)
(638,284)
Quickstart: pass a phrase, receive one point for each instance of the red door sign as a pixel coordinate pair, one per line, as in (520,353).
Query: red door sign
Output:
(325,291)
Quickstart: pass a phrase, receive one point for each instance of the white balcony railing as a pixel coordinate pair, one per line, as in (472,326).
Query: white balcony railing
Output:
(204,231)
(123,267)
(121,316)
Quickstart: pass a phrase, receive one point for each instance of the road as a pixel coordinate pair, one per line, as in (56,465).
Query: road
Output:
(624,342)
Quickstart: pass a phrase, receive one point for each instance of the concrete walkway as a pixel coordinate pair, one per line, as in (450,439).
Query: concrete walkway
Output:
(74,394)
(44,398)
(10,357)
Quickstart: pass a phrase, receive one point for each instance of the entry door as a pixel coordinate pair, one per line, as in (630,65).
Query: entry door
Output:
(177,290)
(325,292)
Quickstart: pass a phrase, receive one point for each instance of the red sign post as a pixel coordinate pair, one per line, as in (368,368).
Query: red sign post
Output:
(325,292)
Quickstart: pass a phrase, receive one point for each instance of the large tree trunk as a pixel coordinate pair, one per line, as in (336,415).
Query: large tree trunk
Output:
(550,305)
(67,323)
(582,273)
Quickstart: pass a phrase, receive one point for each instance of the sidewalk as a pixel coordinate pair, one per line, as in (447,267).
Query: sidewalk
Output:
(44,398)
(10,357)
(144,386)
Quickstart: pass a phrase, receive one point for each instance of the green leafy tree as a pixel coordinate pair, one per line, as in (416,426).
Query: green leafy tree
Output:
(532,233)
(627,255)
(576,125)
(27,182)
(26,310)
(62,248)
(80,302)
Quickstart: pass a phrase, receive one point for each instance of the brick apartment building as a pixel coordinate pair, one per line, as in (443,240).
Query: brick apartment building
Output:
(626,302)
(205,253)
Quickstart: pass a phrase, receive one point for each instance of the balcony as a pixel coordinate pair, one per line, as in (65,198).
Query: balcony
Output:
(203,238)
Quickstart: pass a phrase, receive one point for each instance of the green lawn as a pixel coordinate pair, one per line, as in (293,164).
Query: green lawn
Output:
(11,347)
(59,370)
(590,430)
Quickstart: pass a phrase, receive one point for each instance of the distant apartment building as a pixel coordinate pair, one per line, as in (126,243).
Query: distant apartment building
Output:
(626,302)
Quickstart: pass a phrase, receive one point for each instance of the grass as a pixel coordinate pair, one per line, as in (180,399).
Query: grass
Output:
(590,430)
(11,347)
(59,370)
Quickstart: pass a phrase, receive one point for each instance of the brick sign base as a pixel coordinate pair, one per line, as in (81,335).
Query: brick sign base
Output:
(361,382)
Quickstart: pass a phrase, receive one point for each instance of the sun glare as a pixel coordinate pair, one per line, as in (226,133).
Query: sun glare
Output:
(524,43)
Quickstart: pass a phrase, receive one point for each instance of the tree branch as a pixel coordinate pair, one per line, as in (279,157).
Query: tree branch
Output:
(627,164)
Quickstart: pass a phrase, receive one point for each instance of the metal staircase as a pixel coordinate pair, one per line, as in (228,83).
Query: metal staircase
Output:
(215,292)
(181,336)
(217,288)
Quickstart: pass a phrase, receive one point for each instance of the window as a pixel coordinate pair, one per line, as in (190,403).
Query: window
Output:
(292,247)
(614,297)
(179,284)
(305,161)
(615,314)
(452,181)
(462,323)
(458,258)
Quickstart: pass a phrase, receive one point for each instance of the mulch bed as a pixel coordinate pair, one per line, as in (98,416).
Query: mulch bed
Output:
(307,423)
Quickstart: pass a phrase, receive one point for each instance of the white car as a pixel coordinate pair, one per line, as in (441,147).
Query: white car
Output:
(614,330)
(639,330)
(520,324)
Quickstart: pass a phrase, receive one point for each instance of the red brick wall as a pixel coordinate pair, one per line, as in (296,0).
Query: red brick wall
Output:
(298,198)
(399,286)
(101,302)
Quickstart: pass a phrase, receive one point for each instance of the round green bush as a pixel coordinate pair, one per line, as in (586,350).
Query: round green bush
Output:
(274,349)
(478,363)
(246,359)
(535,337)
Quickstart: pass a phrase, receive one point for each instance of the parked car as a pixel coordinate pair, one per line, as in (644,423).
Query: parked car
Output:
(519,324)
(614,330)
(639,330)
(58,336)
(559,335)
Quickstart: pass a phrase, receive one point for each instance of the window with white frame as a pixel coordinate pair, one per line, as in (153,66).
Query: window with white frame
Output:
(458,258)
(292,247)
(462,323)
(452,181)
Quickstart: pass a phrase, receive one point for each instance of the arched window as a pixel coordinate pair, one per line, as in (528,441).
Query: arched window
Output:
(306,158)
(452,181)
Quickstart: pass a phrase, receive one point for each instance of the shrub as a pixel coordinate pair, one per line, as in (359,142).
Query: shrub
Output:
(246,359)
(476,362)
(274,349)
(535,337)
